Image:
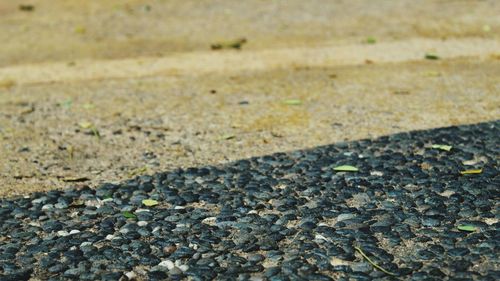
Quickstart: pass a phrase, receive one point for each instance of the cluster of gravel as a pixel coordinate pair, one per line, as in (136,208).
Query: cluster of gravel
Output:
(286,216)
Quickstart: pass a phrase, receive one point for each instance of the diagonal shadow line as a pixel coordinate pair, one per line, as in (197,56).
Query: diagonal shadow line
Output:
(292,207)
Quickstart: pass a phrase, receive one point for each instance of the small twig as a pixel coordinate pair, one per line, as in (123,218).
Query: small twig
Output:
(373,263)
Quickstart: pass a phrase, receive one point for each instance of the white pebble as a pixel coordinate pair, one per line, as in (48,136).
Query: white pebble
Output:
(281,186)
(184,267)
(131,275)
(320,237)
(167,263)
(47,207)
(110,237)
(74,231)
(124,230)
(85,244)
(142,223)
(62,233)
(39,200)
(209,220)
(343,217)
(92,203)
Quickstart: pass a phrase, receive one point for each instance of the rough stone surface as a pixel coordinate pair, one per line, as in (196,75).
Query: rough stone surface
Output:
(286,216)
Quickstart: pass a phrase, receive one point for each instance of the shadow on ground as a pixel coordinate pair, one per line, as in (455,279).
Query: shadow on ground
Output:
(286,216)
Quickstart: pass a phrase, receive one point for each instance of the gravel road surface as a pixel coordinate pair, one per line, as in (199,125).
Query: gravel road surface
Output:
(407,213)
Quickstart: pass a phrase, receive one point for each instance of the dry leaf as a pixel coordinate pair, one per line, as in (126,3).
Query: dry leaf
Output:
(8,83)
(431,56)
(345,168)
(85,125)
(292,102)
(227,137)
(336,262)
(149,202)
(442,147)
(75,179)
(431,74)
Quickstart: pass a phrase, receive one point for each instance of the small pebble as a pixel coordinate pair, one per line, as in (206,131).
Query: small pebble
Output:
(167,264)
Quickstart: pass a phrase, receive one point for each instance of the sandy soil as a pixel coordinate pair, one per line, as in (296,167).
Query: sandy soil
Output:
(60,30)
(94,91)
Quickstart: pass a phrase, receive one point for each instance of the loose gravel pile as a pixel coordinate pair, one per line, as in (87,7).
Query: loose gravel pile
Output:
(287,216)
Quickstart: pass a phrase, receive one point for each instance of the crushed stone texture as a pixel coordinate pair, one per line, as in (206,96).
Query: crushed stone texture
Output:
(283,216)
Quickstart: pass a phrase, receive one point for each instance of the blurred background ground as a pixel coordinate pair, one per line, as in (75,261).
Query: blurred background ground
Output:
(94,91)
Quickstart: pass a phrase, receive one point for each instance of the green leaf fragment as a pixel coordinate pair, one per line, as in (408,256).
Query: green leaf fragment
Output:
(467,227)
(149,202)
(129,215)
(67,103)
(345,168)
(442,147)
(371,40)
(292,102)
(431,56)
(471,172)
(107,198)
